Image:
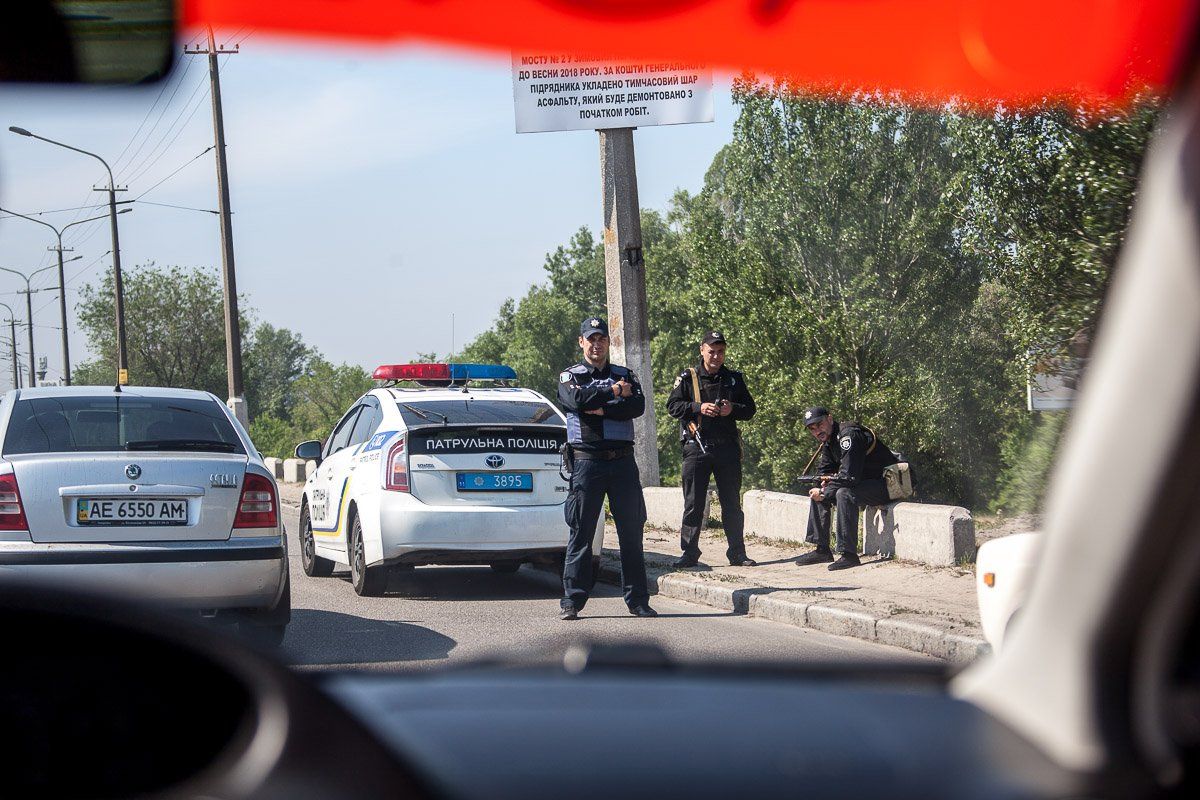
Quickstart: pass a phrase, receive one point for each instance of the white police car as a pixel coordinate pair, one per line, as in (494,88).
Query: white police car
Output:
(440,471)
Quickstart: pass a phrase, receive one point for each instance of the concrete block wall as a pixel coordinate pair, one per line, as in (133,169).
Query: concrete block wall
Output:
(940,536)
(776,515)
(293,470)
(664,507)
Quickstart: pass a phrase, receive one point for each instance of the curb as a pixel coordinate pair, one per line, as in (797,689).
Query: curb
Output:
(908,631)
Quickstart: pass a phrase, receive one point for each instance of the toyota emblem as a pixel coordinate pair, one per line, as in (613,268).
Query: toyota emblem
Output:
(133,472)
(494,461)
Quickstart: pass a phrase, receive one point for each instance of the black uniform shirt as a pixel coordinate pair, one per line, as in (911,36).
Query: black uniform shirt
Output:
(845,455)
(583,388)
(726,384)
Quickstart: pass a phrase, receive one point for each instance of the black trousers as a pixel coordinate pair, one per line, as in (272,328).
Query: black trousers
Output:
(724,461)
(848,499)
(592,480)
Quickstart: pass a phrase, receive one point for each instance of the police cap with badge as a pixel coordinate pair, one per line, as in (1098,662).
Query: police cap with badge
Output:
(592,325)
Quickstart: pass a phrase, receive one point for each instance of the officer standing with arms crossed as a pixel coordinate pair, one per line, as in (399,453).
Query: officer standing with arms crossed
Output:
(852,460)
(600,401)
(709,400)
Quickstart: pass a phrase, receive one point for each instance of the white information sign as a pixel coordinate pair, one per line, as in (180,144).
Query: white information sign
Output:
(556,92)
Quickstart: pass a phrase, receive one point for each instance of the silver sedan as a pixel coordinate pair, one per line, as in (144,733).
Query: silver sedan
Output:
(155,493)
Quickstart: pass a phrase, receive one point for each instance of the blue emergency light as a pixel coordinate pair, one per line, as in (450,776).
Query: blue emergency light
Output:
(482,372)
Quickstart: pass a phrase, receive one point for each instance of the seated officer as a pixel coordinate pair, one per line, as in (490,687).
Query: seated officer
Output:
(851,462)
(600,401)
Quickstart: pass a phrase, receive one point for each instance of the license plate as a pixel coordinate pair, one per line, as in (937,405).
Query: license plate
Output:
(110,511)
(495,481)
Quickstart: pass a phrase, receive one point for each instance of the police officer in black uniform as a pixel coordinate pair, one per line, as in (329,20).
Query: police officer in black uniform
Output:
(854,459)
(711,447)
(601,400)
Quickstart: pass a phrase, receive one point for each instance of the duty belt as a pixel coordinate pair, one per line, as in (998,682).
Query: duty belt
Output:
(604,455)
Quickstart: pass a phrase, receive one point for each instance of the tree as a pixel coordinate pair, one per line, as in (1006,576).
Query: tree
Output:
(175,329)
(274,359)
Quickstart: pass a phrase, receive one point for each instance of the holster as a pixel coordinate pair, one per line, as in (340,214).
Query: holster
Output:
(567,466)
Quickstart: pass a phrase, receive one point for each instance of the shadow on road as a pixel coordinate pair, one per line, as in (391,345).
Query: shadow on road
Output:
(329,637)
(468,583)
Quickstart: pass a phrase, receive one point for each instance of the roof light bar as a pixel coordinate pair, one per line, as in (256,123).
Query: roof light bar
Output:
(482,372)
(444,372)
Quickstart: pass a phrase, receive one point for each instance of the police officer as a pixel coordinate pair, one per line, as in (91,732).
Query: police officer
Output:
(854,459)
(601,400)
(711,447)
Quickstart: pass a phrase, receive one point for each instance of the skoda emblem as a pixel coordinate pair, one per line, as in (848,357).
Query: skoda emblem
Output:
(494,461)
(133,472)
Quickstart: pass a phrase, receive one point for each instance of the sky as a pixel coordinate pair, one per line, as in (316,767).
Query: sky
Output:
(383,205)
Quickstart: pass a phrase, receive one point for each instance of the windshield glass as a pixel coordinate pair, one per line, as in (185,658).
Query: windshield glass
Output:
(470,411)
(814,346)
(87,424)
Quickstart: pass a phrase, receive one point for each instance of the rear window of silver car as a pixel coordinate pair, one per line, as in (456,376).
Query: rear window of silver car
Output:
(472,411)
(119,422)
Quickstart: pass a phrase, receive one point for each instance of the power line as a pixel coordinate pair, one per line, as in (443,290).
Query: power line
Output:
(162,112)
(178,133)
(161,91)
(181,208)
(177,170)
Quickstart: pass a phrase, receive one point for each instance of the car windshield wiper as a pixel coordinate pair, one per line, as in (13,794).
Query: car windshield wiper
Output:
(425,414)
(182,444)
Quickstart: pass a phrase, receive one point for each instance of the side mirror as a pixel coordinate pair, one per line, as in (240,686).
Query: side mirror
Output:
(309,451)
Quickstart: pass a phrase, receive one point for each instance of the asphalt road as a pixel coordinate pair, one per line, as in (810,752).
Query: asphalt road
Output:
(435,615)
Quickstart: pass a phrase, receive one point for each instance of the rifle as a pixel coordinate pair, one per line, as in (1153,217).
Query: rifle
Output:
(695,432)
(815,479)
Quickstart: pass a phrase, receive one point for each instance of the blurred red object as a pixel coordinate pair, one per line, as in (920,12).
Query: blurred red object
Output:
(1016,51)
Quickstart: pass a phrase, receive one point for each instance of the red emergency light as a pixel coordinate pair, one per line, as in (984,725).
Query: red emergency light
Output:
(412,372)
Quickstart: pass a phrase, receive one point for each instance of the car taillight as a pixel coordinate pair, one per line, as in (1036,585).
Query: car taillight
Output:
(12,513)
(395,479)
(257,508)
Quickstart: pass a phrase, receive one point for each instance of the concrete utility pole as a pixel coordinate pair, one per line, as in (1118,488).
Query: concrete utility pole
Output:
(28,292)
(12,332)
(625,277)
(233,328)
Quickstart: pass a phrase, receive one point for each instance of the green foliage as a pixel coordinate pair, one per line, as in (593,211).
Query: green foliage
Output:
(175,334)
(903,267)
(1031,451)
(320,396)
(175,329)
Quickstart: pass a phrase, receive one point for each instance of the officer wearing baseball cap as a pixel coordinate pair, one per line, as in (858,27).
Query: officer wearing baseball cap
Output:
(851,460)
(600,401)
(709,400)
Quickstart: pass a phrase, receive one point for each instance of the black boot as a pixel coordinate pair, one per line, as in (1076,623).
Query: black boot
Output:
(818,556)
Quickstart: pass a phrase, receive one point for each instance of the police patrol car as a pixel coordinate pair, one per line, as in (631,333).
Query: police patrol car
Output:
(439,471)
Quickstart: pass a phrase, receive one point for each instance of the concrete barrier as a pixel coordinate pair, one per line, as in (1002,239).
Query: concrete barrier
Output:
(293,470)
(940,536)
(310,468)
(664,507)
(776,515)
(274,466)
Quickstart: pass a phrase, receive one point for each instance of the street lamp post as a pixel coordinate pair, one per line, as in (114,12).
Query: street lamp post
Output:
(12,328)
(118,285)
(62,281)
(29,312)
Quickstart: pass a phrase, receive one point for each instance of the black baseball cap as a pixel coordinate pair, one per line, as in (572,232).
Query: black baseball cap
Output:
(814,415)
(593,325)
(714,337)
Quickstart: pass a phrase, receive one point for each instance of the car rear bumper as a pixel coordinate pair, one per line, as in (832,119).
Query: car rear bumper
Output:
(412,532)
(238,573)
